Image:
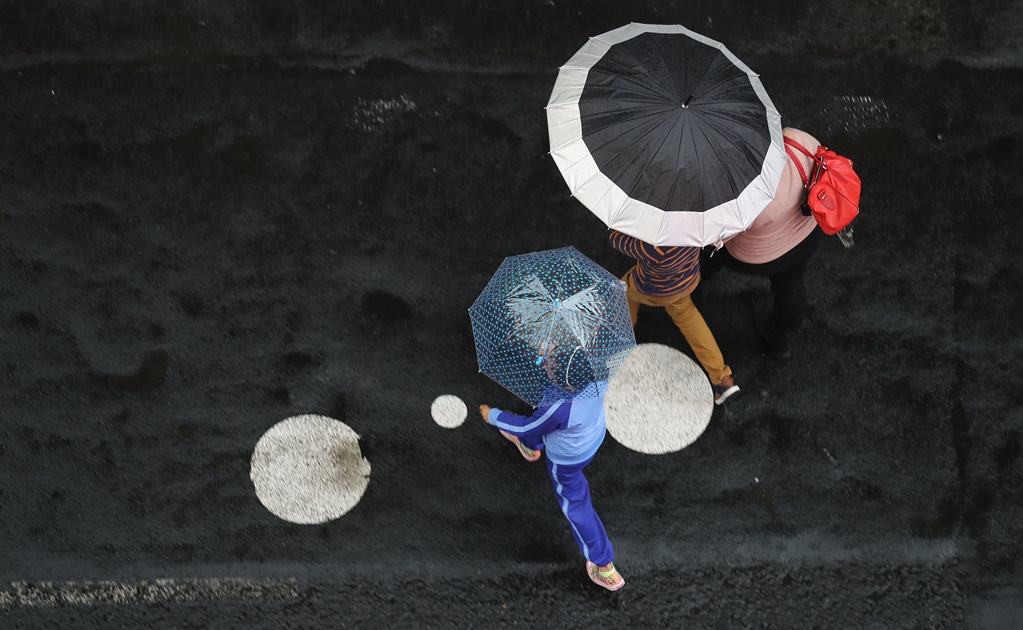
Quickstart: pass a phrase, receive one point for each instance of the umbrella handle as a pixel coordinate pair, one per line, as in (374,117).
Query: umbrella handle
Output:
(577,349)
(545,345)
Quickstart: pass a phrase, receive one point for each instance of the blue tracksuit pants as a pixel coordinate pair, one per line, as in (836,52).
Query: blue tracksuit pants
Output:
(572,493)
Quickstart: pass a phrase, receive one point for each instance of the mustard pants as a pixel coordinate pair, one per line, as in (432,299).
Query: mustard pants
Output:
(687,317)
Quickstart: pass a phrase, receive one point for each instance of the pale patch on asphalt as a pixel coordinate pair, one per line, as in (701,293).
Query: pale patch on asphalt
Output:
(48,594)
(309,469)
(374,114)
(449,411)
(856,114)
(660,401)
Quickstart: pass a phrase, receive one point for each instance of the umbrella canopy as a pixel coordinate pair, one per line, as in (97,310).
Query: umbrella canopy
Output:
(551,324)
(665,135)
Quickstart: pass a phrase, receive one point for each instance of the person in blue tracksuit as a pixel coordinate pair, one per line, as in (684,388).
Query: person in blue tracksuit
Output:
(570,432)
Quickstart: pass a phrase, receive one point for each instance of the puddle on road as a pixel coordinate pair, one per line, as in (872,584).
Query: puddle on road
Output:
(150,375)
(386,308)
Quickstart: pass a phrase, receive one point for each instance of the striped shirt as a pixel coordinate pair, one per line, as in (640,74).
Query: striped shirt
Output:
(660,271)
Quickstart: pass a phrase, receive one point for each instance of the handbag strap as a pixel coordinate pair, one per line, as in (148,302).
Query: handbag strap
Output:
(795,160)
(792,143)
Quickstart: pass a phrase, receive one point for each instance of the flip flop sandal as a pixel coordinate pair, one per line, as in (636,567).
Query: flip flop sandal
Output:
(527,453)
(611,580)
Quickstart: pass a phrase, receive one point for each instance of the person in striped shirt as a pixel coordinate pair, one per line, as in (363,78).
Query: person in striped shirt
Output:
(666,277)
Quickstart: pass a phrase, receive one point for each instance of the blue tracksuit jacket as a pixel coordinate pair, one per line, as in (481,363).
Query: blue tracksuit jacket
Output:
(570,431)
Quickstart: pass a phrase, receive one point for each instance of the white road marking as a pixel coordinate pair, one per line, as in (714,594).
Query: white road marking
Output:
(308,469)
(55,594)
(449,411)
(660,401)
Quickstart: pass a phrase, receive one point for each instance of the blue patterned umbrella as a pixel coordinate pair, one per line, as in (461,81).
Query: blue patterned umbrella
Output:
(550,324)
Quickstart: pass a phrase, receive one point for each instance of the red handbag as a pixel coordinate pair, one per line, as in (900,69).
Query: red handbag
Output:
(833,188)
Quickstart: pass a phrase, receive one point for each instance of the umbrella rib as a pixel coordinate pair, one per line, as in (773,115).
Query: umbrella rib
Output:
(756,115)
(678,157)
(645,112)
(700,164)
(738,147)
(656,42)
(637,66)
(643,103)
(657,118)
(721,160)
(600,320)
(640,89)
(726,66)
(612,216)
(653,157)
(703,75)
(600,173)
(550,331)
(737,95)
(596,130)
(613,139)
(739,113)
(729,82)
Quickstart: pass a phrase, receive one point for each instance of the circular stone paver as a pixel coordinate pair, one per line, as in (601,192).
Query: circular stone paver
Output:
(660,401)
(449,411)
(309,469)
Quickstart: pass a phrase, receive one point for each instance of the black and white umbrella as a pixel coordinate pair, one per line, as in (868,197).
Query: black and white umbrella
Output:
(665,135)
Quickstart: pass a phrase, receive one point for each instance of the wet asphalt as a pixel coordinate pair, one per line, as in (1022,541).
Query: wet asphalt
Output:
(217,216)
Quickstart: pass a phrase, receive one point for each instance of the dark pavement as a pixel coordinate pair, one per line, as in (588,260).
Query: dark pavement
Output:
(217,216)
